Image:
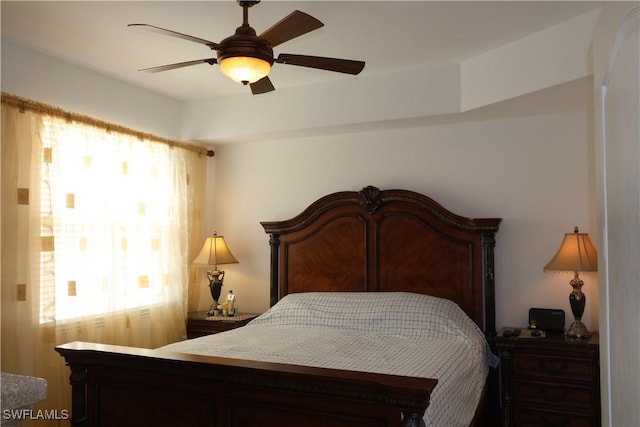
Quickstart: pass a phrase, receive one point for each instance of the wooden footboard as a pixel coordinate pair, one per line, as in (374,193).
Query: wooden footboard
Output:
(118,386)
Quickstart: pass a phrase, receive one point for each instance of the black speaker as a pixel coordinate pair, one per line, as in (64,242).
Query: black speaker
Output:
(546,319)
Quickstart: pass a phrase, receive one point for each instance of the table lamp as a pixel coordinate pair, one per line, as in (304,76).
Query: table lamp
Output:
(215,252)
(576,253)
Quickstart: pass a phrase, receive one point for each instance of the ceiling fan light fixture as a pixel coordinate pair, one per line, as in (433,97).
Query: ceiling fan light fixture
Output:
(244,69)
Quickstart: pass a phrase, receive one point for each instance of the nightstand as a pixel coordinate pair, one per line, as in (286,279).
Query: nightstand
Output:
(199,324)
(550,381)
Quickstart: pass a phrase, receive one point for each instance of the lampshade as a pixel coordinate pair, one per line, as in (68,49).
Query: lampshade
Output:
(215,252)
(576,253)
(244,69)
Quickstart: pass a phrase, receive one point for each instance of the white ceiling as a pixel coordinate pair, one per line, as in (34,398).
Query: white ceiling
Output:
(386,34)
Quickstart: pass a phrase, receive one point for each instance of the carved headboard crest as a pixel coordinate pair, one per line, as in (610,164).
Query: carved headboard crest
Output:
(370,199)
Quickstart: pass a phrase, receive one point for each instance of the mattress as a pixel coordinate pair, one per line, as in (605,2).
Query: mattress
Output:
(390,333)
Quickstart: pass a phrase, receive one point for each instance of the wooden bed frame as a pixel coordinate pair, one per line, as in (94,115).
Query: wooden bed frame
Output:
(371,240)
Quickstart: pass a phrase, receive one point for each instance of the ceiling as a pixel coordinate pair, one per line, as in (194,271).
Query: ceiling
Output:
(387,35)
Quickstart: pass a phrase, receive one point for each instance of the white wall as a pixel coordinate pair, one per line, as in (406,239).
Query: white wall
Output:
(557,54)
(39,77)
(618,159)
(531,171)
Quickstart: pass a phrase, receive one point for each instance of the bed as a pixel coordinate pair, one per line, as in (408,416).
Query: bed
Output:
(370,263)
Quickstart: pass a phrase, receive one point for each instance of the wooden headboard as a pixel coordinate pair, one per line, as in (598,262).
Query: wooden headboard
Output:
(386,240)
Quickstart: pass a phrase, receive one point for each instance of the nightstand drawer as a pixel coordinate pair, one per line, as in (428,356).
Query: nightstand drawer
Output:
(200,324)
(552,381)
(542,365)
(568,396)
(543,417)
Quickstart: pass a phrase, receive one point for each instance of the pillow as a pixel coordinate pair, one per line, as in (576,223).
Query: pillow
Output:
(380,313)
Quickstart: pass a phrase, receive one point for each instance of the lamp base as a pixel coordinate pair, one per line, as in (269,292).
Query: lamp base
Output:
(577,300)
(577,330)
(215,286)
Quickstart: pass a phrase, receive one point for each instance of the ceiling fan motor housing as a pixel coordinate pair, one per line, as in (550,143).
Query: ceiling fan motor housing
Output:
(245,42)
(248,3)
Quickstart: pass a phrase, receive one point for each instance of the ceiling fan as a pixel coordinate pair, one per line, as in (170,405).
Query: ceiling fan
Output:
(247,58)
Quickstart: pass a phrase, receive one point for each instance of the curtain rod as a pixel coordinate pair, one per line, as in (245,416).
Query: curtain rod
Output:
(38,107)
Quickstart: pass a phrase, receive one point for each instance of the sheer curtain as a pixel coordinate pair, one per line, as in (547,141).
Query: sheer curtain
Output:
(98,231)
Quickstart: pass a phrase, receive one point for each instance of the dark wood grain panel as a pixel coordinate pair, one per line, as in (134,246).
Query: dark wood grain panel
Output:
(328,255)
(550,366)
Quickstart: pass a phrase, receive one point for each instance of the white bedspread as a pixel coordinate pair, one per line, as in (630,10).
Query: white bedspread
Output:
(371,341)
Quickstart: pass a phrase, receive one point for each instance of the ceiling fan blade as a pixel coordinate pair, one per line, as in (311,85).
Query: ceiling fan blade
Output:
(212,45)
(210,61)
(263,85)
(293,25)
(346,66)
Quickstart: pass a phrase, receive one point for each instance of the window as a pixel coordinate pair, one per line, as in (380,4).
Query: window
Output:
(113,222)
